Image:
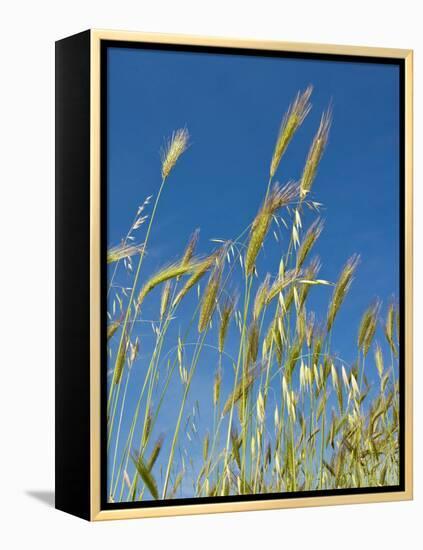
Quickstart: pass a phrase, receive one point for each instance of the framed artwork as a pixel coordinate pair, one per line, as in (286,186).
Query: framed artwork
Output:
(233,275)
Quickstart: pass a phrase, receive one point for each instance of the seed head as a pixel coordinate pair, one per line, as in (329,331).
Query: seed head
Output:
(173,149)
(341,289)
(261,297)
(202,267)
(253,343)
(164,302)
(216,387)
(308,242)
(165,274)
(209,298)
(226,313)
(367,327)
(389,329)
(122,251)
(189,251)
(315,153)
(292,120)
(277,197)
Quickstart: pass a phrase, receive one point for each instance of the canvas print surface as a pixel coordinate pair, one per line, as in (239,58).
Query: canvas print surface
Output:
(253,275)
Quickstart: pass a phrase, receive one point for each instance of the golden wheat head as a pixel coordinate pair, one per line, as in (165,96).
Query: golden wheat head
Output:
(295,116)
(315,153)
(276,199)
(341,289)
(173,149)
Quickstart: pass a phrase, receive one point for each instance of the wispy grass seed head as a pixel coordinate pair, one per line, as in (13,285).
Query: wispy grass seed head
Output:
(164,301)
(201,269)
(389,329)
(276,199)
(123,251)
(308,242)
(315,153)
(260,298)
(217,383)
(208,304)
(379,360)
(310,323)
(274,338)
(241,389)
(341,289)
(368,327)
(226,313)
(120,359)
(280,284)
(165,274)
(310,274)
(112,328)
(192,243)
(253,343)
(155,453)
(173,149)
(294,117)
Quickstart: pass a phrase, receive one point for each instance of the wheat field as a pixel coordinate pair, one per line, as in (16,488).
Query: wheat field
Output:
(286,412)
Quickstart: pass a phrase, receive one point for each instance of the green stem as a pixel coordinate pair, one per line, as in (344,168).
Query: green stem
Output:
(181,411)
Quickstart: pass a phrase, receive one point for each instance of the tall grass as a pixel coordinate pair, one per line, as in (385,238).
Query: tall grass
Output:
(289,414)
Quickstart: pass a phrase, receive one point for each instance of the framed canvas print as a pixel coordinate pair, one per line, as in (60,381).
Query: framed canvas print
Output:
(233,275)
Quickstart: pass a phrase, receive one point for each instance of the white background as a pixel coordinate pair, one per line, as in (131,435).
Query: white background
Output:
(27,36)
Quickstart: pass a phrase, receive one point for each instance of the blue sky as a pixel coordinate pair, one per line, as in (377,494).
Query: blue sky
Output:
(232,106)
